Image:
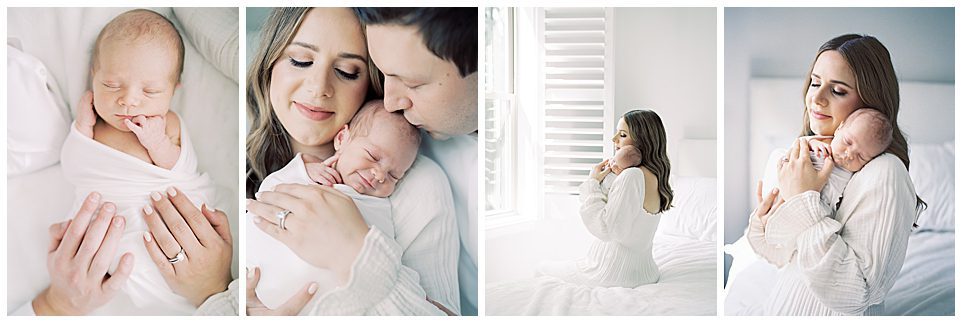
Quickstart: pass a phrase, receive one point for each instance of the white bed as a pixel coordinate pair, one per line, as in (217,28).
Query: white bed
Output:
(926,283)
(61,38)
(685,250)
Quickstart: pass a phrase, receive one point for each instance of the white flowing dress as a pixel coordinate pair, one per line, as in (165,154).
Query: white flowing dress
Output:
(621,257)
(846,264)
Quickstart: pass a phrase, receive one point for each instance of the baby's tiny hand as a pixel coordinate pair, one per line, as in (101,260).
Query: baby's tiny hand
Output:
(150,131)
(86,117)
(322,174)
(821,149)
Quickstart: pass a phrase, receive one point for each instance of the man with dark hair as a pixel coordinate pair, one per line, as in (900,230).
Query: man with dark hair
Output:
(429,57)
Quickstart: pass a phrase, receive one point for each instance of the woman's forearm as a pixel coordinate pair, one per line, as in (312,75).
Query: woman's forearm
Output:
(379,285)
(852,269)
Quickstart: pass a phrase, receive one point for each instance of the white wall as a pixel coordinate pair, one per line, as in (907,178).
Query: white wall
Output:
(665,61)
(782,42)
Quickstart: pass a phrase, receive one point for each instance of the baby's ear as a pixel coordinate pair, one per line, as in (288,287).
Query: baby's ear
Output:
(341,137)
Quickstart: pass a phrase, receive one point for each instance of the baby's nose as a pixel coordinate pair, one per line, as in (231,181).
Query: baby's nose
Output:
(378,175)
(128,100)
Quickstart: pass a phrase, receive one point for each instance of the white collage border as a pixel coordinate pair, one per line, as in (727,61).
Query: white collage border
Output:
(720,6)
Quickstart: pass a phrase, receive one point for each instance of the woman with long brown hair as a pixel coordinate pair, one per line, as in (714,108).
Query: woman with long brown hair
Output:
(311,74)
(625,216)
(843,263)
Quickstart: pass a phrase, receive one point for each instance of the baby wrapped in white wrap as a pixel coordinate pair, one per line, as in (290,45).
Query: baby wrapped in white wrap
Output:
(283,273)
(127,182)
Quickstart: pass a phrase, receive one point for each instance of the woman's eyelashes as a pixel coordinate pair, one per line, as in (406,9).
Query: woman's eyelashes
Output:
(339,72)
(345,75)
(300,64)
(834,91)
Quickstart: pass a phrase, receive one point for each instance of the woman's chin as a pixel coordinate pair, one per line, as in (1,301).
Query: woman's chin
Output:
(821,128)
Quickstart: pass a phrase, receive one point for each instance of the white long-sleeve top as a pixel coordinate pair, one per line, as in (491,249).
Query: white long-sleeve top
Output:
(395,277)
(847,264)
(458,157)
(622,254)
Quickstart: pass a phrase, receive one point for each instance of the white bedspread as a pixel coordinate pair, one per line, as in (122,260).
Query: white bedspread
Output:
(925,285)
(686,287)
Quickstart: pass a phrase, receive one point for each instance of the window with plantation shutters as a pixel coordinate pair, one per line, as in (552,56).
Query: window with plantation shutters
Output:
(577,97)
(499,112)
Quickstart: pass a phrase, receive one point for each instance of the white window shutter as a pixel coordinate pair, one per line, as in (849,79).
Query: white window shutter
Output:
(578,114)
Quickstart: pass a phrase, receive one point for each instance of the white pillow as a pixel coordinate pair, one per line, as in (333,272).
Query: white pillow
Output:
(693,213)
(36,125)
(213,32)
(932,170)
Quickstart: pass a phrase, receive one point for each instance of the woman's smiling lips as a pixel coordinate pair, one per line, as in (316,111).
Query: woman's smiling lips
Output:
(819,116)
(312,112)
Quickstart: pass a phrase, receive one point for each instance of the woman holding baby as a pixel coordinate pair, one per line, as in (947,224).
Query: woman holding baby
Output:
(621,205)
(843,263)
(311,75)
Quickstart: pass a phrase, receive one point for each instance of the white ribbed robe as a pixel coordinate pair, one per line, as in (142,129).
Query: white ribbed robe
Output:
(847,264)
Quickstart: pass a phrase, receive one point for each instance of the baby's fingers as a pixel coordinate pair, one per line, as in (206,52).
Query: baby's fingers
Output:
(133,127)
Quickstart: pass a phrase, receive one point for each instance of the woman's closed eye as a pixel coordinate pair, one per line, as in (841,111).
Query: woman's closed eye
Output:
(300,64)
(834,91)
(345,75)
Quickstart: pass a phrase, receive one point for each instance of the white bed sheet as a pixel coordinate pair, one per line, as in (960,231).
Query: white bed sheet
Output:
(686,287)
(925,285)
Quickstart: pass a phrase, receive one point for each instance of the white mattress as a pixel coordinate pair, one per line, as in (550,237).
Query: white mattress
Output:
(686,287)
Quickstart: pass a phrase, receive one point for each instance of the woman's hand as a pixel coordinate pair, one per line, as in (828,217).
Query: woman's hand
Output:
(767,205)
(291,307)
(324,226)
(796,173)
(80,253)
(600,171)
(175,223)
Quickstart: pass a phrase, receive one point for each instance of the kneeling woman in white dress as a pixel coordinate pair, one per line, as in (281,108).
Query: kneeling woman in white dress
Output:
(625,216)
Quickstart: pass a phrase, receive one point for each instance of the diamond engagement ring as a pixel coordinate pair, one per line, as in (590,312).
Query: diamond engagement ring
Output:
(179,257)
(282,219)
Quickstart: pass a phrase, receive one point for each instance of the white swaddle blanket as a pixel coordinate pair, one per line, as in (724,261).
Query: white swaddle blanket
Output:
(283,273)
(127,182)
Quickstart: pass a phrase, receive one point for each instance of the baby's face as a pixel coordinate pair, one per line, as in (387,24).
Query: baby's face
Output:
(623,159)
(131,79)
(374,164)
(853,145)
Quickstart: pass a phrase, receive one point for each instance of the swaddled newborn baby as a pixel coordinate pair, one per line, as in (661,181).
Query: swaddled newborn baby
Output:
(126,143)
(864,135)
(373,153)
(626,157)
